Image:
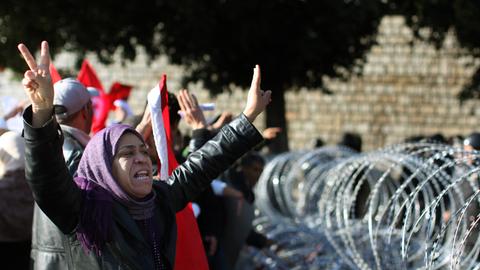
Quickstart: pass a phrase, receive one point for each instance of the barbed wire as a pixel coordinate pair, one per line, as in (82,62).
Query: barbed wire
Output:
(408,206)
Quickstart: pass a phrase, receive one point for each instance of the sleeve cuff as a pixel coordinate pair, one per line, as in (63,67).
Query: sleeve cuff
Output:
(201,133)
(242,124)
(48,130)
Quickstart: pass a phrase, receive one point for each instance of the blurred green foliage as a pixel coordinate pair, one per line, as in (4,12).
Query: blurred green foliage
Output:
(297,42)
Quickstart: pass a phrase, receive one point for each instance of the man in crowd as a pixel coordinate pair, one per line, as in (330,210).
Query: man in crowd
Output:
(239,228)
(74,113)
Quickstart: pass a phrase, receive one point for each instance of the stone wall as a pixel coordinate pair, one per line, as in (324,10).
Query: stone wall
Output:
(404,90)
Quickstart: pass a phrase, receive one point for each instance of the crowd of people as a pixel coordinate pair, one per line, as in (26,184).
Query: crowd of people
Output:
(99,202)
(71,199)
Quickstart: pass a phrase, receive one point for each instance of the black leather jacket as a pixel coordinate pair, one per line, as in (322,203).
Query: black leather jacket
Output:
(61,200)
(48,242)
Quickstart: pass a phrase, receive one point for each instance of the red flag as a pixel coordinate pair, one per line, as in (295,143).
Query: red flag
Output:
(88,77)
(101,115)
(118,91)
(190,253)
(54,73)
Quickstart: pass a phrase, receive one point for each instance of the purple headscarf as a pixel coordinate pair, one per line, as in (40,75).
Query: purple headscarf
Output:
(94,176)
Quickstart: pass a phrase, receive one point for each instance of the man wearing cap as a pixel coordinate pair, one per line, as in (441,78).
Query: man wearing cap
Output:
(74,113)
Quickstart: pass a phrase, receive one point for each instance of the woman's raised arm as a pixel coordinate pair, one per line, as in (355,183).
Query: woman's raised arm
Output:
(45,170)
(215,156)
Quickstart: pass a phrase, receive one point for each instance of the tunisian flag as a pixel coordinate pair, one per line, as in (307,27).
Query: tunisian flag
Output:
(190,253)
(88,77)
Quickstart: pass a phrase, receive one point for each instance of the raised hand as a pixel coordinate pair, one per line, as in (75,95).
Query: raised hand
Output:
(257,99)
(192,113)
(224,119)
(38,84)
(37,81)
(145,125)
(271,133)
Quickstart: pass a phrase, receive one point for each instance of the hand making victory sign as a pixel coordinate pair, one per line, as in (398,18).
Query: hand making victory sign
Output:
(38,84)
